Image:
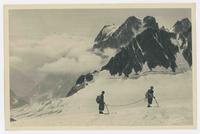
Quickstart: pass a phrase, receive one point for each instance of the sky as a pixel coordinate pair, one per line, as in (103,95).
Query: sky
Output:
(57,40)
(37,24)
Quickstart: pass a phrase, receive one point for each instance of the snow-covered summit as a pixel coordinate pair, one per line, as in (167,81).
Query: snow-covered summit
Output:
(105,33)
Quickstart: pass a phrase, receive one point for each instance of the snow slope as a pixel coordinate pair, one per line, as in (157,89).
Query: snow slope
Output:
(173,92)
(105,33)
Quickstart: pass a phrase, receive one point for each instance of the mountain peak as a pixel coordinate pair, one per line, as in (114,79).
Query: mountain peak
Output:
(113,37)
(105,32)
(134,22)
(182,26)
(150,22)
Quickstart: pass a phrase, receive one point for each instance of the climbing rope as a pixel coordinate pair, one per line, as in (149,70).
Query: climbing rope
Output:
(132,103)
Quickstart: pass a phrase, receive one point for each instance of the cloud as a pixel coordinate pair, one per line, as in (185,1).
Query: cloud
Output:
(56,54)
(81,63)
(52,46)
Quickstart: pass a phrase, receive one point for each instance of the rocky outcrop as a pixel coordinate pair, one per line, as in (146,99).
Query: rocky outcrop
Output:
(183,28)
(80,83)
(88,77)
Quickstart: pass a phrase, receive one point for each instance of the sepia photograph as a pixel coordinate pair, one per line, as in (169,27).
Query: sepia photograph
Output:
(121,66)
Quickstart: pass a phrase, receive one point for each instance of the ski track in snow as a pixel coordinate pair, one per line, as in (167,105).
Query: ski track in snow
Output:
(173,92)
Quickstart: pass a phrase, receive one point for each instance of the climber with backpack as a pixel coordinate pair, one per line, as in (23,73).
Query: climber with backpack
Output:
(100,101)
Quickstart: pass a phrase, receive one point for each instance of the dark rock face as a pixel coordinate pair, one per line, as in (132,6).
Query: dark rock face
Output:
(121,37)
(80,83)
(89,77)
(80,79)
(128,58)
(158,49)
(150,22)
(183,28)
(151,46)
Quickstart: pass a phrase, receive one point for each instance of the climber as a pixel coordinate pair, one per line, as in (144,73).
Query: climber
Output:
(150,96)
(100,101)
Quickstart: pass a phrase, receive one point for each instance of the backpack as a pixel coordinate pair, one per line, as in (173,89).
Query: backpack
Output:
(98,99)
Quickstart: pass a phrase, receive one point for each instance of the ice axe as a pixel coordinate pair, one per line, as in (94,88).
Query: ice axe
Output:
(156,101)
(107,109)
